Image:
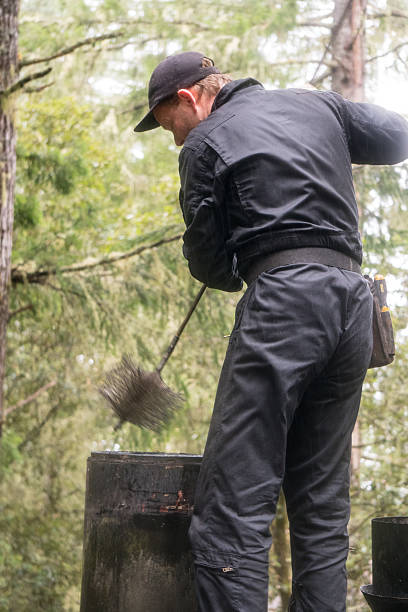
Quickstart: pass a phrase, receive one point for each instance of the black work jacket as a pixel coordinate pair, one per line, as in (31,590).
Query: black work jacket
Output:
(271,170)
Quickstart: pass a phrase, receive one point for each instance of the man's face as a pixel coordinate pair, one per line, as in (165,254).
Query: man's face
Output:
(180,118)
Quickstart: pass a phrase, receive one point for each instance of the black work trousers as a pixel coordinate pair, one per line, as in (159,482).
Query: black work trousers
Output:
(285,409)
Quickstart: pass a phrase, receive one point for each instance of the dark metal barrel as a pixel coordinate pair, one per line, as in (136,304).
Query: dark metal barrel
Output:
(137,513)
(389,590)
(390,555)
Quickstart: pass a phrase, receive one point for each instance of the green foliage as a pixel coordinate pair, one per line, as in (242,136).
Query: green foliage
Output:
(9,451)
(27,211)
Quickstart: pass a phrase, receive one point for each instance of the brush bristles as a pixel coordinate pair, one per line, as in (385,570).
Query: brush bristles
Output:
(140,397)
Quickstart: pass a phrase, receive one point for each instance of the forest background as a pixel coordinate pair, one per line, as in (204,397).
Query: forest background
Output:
(97,269)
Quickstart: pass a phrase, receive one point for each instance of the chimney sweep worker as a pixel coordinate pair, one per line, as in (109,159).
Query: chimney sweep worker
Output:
(267,197)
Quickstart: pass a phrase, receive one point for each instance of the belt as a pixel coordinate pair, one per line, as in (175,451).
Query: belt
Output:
(320,255)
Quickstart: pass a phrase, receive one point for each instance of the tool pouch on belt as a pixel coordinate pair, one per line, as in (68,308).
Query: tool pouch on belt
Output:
(383,334)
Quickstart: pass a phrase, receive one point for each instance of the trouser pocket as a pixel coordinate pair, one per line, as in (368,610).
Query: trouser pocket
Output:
(217,580)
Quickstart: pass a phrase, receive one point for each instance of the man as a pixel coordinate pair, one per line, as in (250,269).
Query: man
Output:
(267,196)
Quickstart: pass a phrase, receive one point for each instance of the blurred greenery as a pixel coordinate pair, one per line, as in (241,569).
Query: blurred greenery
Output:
(89,189)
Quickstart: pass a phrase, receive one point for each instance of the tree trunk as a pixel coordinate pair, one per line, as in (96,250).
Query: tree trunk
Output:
(281,549)
(348,50)
(347,44)
(8,76)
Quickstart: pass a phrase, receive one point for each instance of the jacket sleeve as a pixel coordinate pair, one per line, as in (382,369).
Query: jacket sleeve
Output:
(375,135)
(202,200)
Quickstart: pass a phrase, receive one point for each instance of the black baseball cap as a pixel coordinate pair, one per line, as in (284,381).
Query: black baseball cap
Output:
(174,73)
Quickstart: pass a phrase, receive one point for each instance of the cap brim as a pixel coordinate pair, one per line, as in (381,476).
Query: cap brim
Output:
(147,123)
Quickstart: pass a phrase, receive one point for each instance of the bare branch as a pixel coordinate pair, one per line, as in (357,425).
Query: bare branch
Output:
(315,23)
(121,22)
(384,459)
(65,291)
(146,22)
(317,80)
(196,24)
(137,107)
(22,309)
(310,24)
(289,62)
(34,433)
(398,14)
(355,528)
(71,48)
(20,84)
(376,442)
(30,398)
(39,276)
(325,16)
(393,50)
(37,89)
(121,46)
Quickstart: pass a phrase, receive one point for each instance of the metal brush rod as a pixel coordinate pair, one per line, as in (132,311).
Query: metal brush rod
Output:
(180,330)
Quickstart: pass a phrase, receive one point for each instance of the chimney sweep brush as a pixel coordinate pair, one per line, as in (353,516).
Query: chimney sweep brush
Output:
(141,397)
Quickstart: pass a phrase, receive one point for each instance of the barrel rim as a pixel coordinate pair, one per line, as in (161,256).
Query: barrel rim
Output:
(141,457)
(392,520)
(368,589)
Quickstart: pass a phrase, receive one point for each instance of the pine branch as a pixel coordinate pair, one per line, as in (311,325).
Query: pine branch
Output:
(71,49)
(20,84)
(39,276)
(30,398)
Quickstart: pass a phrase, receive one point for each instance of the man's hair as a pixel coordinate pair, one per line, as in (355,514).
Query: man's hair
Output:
(210,85)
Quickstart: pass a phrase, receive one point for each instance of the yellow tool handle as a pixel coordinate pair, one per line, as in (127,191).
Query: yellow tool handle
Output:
(381,290)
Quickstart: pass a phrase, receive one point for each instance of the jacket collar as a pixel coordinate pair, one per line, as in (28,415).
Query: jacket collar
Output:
(230,89)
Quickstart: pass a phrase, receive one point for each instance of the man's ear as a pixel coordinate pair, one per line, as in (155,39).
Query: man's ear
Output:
(187,96)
